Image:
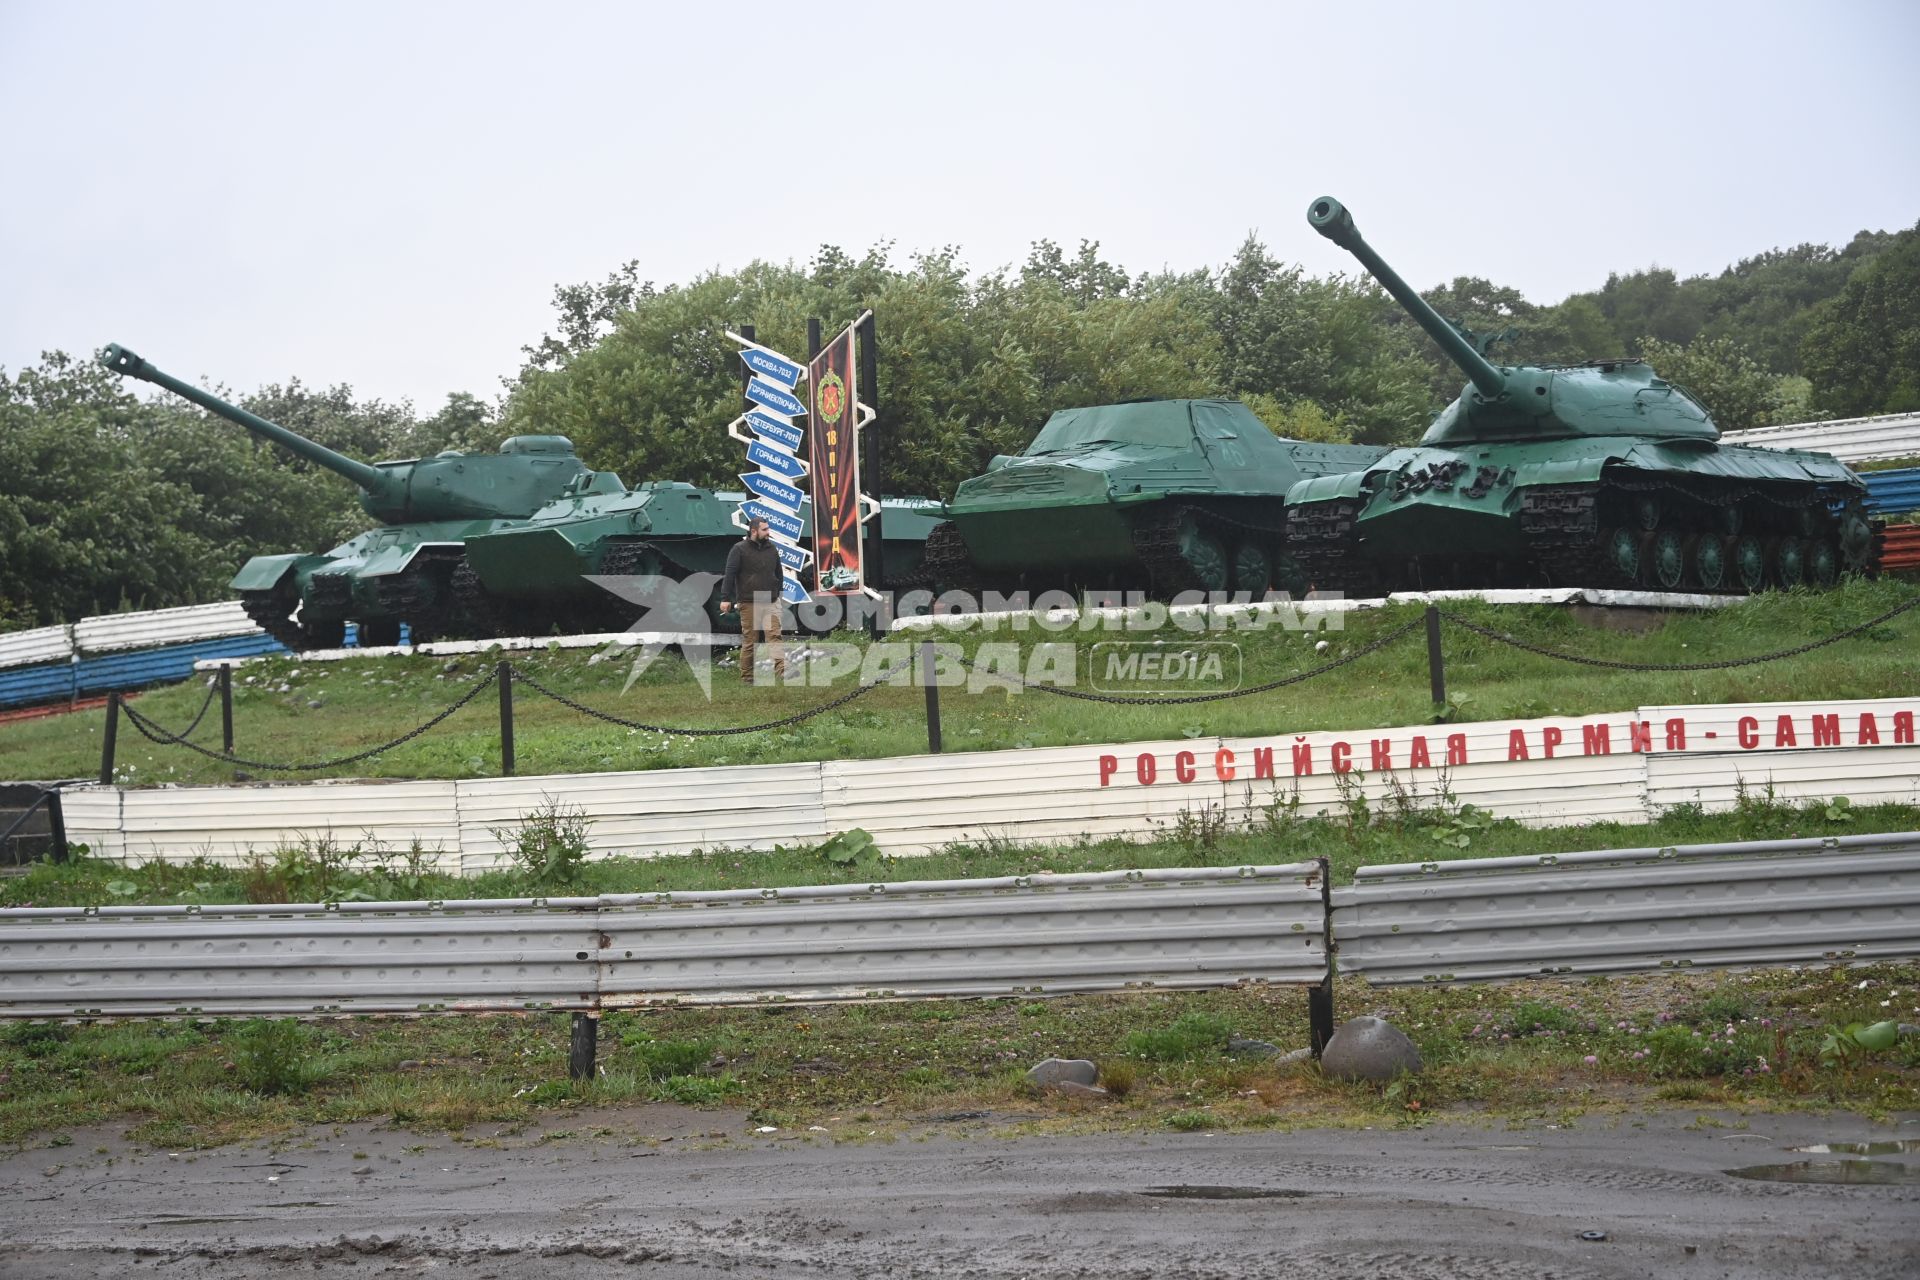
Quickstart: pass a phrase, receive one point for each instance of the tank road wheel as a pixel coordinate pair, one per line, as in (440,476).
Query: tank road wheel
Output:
(1708,559)
(324,633)
(1823,562)
(1646,513)
(1290,577)
(1206,558)
(1666,560)
(1747,559)
(1790,562)
(379,632)
(1252,569)
(1728,519)
(1856,539)
(1620,552)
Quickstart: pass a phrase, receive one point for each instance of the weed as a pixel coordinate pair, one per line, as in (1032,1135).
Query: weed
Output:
(1190,1121)
(549,845)
(1200,828)
(1118,1077)
(662,1059)
(274,1057)
(1189,1036)
(853,850)
(697,1091)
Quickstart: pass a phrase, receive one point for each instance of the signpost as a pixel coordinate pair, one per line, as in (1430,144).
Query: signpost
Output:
(783,456)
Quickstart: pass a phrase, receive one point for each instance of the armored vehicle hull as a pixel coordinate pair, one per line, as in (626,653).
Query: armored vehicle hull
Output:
(1159,495)
(1600,475)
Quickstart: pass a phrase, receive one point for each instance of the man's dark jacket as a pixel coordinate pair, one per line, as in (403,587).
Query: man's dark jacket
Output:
(753,569)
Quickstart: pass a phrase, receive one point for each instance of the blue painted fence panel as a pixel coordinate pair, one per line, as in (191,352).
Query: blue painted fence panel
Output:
(25,686)
(1893,493)
(159,666)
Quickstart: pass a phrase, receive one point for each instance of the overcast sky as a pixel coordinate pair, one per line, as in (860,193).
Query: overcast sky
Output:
(385,194)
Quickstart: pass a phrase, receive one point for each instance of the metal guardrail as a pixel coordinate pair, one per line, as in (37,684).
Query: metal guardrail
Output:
(1901,548)
(1027,935)
(1844,899)
(1890,435)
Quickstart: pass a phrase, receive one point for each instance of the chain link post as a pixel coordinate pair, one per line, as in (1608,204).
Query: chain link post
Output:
(1320,996)
(111,737)
(226,707)
(933,696)
(504,674)
(1436,665)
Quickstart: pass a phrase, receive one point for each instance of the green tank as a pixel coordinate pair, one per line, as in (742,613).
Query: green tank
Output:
(532,574)
(404,570)
(1163,496)
(1593,475)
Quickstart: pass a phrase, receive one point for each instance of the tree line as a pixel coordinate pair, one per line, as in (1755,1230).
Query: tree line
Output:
(113,500)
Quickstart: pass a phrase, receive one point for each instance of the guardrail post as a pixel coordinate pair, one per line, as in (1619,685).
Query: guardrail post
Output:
(108,740)
(586,1041)
(226,708)
(57,824)
(933,696)
(1436,666)
(506,745)
(1320,996)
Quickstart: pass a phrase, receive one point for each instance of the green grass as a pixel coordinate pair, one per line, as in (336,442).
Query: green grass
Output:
(858,1070)
(365,702)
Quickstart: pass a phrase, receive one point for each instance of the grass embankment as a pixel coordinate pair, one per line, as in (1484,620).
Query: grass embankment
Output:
(1538,1051)
(295,711)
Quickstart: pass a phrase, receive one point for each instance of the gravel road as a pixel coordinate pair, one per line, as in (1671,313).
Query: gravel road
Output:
(1446,1202)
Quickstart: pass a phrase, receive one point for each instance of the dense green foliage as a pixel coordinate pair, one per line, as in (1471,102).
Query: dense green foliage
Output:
(111,500)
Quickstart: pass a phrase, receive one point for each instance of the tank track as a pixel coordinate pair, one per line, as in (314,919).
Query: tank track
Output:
(272,611)
(945,562)
(420,595)
(1156,540)
(630,556)
(1567,526)
(1321,540)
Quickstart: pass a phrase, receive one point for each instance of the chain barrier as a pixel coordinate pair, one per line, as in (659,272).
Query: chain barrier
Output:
(154,733)
(1614,665)
(213,689)
(521,677)
(1183,699)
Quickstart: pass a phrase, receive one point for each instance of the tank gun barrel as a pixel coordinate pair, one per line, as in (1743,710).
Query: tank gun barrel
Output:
(1330,218)
(377,483)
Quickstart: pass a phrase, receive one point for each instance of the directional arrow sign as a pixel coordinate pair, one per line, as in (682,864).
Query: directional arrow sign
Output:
(792,592)
(778,461)
(772,489)
(774,397)
(783,523)
(794,559)
(778,430)
(773,365)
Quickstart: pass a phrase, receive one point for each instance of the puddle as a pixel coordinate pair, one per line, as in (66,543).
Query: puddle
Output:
(1834,1172)
(1892,1147)
(1186,1192)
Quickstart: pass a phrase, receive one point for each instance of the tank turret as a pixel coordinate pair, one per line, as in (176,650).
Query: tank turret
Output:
(527,473)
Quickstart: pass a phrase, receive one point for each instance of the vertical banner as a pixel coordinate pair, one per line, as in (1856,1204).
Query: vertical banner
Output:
(773,444)
(835,416)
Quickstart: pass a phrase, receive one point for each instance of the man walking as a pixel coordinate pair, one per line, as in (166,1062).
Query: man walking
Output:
(753,581)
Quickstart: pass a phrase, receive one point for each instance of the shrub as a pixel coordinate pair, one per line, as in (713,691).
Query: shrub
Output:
(276,1057)
(1190,1035)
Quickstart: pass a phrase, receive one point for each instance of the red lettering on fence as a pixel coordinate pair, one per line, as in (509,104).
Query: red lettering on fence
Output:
(1382,749)
(1302,759)
(1749,732)
(1262,762)
(1640,734)
(1342,754)
(1903,727)
(1517,744)
(1108,764)
(1223,765)
(1826,731)
(1676,734)
(1783,734)
(1869,730)
(1183,767)
(1146,769)
(1456,748)
(1418,758)
(1550,738)
(1596,740)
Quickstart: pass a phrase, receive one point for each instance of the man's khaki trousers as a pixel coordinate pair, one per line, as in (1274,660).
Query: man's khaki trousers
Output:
(757,616)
